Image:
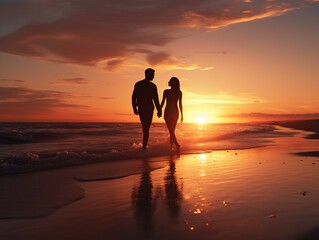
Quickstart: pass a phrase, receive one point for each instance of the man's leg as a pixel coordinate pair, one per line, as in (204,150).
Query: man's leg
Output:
(146,120)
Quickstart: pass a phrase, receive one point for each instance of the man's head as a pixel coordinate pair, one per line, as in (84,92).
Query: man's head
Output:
(149,74)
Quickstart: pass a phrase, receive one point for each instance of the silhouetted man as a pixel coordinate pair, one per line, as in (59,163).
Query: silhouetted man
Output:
(143,99)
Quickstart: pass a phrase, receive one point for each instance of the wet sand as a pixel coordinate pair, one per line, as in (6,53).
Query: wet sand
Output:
(260,193)
(312,126)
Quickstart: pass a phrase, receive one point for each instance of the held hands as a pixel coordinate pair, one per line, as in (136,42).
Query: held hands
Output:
(159,113)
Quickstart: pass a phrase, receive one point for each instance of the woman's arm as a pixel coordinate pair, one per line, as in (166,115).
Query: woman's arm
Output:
(181,106)
(163,99)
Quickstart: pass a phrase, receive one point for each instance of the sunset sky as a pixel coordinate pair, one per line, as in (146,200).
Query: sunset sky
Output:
(237,60)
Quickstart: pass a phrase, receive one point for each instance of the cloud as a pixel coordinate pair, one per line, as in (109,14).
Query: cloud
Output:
(21,101)
(185,66)
(224,52)
(158,58)
(114,64)
(89,32)
(12,80)
(220,98)
(270,116)
(77,80)
(107,98)
(123,114)
(165,60)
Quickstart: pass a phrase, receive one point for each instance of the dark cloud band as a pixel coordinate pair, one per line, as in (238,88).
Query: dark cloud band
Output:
(25,101)
(87,32)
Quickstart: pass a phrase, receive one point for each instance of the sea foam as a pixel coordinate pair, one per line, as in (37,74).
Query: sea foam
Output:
(35,146)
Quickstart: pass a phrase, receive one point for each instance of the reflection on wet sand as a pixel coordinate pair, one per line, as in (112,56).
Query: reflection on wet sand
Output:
(144,200)
(173,191)
(145,197)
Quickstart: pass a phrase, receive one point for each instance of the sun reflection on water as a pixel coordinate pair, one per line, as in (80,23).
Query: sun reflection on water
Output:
(202,158)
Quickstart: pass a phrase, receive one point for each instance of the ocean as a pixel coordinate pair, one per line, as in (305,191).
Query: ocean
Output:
(26,147)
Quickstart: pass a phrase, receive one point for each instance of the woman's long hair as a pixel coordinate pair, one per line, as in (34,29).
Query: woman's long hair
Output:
(174,83)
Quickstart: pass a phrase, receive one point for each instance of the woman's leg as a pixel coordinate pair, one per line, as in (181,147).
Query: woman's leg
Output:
(174,136)
(168,127)
(171,125)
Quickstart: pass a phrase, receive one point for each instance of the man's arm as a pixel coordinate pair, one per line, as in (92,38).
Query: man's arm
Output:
(134,101)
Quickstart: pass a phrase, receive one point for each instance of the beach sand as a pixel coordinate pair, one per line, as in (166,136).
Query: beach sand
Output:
(261,193)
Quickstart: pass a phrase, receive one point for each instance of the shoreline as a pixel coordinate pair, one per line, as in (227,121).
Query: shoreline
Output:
(139,155)
(308,126)
(34,163)
(305,125)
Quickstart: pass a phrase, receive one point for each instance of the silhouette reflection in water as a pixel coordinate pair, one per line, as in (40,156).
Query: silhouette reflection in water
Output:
(145,196)
(173,192)
(144,200)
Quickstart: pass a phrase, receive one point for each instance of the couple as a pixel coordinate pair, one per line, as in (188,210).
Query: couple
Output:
(145,96)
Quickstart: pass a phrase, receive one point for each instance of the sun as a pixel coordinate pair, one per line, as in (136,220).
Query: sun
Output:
(201,120)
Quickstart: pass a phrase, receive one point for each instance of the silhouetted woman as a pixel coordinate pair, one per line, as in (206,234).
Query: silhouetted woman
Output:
(173,98)
(174,193)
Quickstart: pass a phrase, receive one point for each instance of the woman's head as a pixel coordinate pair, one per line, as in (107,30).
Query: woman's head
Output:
(174,83)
